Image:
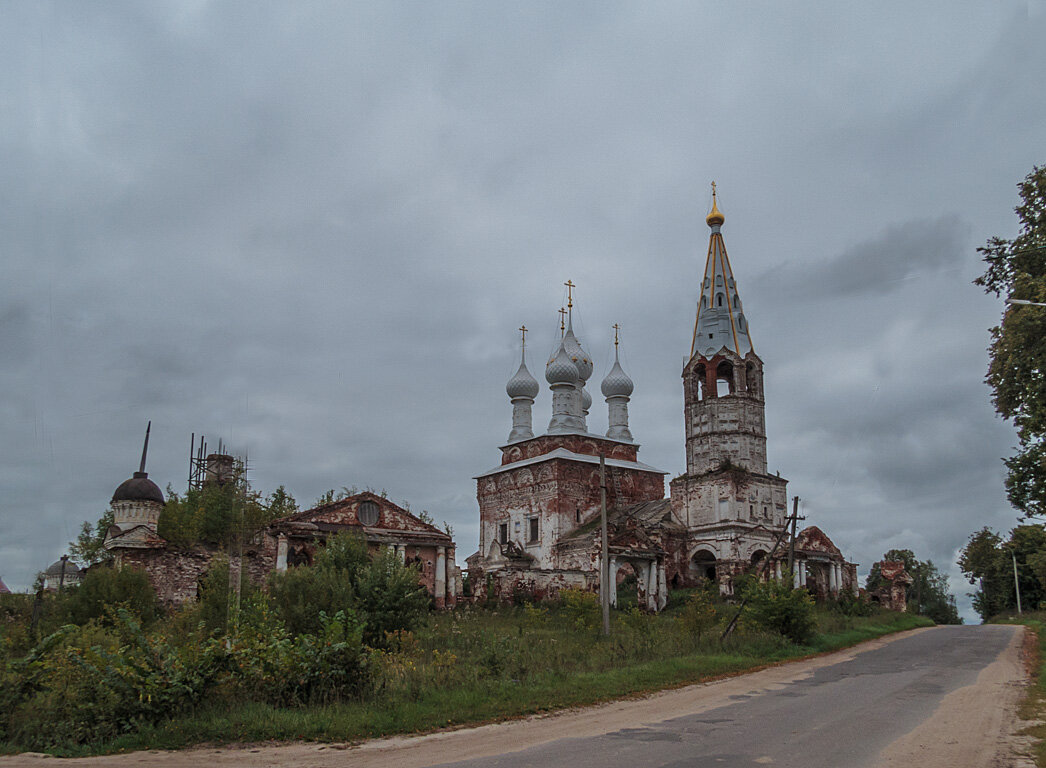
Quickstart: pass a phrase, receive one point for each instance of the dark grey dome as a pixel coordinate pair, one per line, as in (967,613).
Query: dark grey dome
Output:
(138,488)
(55,568)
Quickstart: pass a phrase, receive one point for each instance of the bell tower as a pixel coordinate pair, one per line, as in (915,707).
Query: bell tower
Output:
(731,506)
(723,379)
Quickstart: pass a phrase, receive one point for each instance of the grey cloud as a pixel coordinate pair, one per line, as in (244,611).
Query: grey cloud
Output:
(313,230)
(915,249)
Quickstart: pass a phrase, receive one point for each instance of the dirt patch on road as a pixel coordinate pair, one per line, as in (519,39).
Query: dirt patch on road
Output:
(975,726)
(485,741)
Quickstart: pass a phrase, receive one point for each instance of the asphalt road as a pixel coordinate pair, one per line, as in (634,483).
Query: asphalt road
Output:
(844,714)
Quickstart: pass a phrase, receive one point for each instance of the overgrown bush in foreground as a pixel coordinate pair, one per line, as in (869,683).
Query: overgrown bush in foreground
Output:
(93,683)
(777,607)
(384,593)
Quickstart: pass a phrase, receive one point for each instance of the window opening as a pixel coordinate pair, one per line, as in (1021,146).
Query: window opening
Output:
(368,513)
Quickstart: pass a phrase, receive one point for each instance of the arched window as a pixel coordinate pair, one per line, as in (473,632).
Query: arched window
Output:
(719,299)
(736,302)
(724,374)
(699,381)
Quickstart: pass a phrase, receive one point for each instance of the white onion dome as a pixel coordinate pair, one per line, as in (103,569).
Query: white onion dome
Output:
(586,399)
(578,355)
(561,369)
(522,384)
(617,383)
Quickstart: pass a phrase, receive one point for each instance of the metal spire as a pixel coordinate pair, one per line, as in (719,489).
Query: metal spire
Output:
(145,448)
(720,321)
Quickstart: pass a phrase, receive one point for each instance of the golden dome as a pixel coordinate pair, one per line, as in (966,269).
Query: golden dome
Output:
(715,216)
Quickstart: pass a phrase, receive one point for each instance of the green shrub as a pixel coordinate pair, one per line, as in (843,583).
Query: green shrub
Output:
(95,682)
(103,589)
(850,604)
(580,607)
(390,597)
(698,614)
(383,592)
(299,595)
(776,607)
(265,662)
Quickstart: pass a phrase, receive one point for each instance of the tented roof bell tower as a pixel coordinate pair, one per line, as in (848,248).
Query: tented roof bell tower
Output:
(720,321)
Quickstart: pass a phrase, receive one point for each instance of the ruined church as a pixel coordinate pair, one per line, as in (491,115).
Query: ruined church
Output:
(540,507)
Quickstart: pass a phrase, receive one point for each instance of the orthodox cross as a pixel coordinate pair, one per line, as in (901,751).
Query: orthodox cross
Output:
(523,330)
(713,191)
(562,321)
(616,329)
(570,293)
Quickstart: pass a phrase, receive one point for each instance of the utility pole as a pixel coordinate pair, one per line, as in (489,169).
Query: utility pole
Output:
(791,544)
(765,562)
(604,558)
(1016,584)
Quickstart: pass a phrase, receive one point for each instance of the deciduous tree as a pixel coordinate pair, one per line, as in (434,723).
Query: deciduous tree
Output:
(1017,268)
(988,561)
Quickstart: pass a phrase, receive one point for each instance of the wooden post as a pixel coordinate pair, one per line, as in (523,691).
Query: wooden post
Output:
(604,557)
(791,546)
(1016,583)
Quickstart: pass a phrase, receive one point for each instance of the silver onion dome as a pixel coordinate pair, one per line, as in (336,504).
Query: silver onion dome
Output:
(617,383)
(586,399)
(561,369)
(522,384)
(578,355)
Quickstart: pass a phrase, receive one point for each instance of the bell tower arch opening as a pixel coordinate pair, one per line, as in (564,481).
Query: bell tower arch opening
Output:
(724,374)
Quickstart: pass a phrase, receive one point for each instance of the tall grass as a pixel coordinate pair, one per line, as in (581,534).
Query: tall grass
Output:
(475,666)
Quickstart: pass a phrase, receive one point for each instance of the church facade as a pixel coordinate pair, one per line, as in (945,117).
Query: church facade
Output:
(540,508)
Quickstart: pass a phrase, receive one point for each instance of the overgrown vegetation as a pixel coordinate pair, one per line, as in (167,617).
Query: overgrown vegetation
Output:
(928,594)
(221,513)
(115,682)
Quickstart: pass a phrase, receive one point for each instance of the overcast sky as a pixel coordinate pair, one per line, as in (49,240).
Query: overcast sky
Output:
(312,230)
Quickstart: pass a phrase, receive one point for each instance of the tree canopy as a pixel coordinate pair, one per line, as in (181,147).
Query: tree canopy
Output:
(988,562)
(1017,268)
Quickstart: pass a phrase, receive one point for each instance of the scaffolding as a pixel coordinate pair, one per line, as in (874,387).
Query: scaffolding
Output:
(205,465)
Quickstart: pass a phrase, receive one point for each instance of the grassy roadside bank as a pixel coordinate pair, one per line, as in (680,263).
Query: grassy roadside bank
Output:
(483,666)
(1034,705)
